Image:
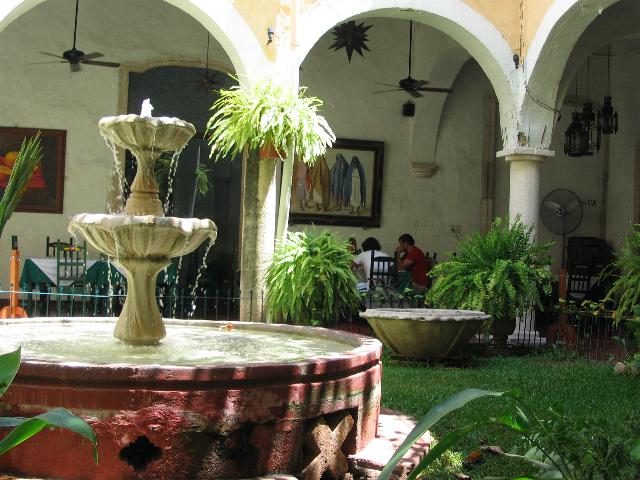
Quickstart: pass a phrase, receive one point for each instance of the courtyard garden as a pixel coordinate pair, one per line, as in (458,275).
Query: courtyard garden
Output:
(599,410)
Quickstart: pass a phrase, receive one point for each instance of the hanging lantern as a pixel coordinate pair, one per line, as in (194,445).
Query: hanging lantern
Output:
(574,136)
(591,134)
(608,118)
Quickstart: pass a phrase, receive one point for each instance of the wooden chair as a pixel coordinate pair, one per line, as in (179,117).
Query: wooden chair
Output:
(71,264)
(51,247)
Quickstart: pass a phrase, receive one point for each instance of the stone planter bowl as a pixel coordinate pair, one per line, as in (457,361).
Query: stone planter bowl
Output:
(424,332)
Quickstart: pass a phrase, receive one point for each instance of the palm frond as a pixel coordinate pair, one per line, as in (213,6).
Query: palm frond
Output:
(29,155)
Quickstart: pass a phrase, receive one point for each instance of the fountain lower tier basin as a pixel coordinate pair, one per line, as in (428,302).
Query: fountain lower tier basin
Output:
(142,236)
(424,332)
(234,418)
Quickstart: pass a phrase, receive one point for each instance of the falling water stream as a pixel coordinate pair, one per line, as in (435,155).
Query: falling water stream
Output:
(201,268)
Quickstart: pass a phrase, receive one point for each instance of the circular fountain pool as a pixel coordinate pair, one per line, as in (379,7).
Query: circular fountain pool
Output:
(187,344)
(234,404)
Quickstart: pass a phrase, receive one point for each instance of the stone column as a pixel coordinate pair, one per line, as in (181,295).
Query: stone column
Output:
(524,182)
(524,200)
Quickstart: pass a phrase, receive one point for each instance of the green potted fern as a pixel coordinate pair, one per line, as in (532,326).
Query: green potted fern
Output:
(501,273)
(310,280)
(270,117)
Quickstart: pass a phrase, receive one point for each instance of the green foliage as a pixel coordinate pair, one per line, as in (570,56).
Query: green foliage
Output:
(625,290)
(310,280)
(558,448)
(573,386)
(28,158)
(25,428)
(500,273)
(268,114)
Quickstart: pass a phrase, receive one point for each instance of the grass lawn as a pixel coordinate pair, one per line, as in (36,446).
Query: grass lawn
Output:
(570,385)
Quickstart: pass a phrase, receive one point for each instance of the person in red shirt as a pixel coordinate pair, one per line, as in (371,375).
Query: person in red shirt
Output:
(413,261)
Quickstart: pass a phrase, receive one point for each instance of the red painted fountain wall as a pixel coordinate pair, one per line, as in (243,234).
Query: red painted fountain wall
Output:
(192,422)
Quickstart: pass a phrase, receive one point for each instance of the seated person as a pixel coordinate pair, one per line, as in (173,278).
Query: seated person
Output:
(411,259)
(363,260)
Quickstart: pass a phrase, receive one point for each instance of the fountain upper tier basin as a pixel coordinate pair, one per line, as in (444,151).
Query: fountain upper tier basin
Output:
(142,236)
(164,134)
(218,420)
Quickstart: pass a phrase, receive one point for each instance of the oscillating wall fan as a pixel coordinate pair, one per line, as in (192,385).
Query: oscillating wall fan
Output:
(561,213)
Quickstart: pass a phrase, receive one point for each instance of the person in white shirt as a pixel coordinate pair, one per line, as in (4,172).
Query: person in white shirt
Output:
(363,260)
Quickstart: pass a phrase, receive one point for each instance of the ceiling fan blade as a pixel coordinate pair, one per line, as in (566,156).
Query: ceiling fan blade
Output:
(393,90)
(92,56)
(415,93)
(75,67)
(48,61)
(421,83)
(388,84)
(100,63)
(435,89)
(51,55)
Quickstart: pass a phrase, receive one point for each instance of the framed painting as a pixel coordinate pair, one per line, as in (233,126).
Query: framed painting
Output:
(344,187)
(45,189)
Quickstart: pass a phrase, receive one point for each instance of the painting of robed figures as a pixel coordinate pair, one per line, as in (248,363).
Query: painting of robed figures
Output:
(343,187)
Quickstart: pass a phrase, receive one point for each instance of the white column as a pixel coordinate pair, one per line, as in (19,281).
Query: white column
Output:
(524,183)
(524,200)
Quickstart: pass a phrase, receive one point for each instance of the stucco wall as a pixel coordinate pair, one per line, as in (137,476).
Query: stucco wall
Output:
(423,207)
(50,96)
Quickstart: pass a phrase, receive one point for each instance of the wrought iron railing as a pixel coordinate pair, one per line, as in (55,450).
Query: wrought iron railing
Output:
(204,304)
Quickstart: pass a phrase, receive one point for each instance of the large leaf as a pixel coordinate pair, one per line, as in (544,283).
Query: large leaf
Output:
(452,403)
(58,417)
(9,364)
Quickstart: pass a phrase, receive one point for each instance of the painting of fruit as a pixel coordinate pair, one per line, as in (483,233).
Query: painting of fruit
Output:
(44,191)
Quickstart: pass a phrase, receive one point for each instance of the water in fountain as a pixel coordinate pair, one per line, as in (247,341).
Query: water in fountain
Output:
(173,166)
(201,268)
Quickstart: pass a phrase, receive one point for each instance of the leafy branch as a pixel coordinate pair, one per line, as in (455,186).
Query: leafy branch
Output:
(29,156)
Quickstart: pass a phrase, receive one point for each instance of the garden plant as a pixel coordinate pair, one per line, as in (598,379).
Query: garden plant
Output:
(269,114)
(25,428)
(556,448)
(310,280)
(29,156)
(501,273)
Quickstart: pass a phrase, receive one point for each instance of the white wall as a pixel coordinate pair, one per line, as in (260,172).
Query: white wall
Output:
(583,175)
(49,96)
(424,207)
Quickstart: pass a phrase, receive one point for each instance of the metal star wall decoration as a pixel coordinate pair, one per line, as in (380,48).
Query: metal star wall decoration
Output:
(350,36)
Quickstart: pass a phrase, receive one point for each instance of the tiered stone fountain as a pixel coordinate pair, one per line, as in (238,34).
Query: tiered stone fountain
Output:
(143,241)
(212,399)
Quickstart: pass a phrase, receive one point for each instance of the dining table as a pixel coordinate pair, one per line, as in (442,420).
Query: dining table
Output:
(42,272)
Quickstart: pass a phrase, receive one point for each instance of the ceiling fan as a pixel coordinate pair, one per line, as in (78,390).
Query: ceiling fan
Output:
(409,84)
(75,57)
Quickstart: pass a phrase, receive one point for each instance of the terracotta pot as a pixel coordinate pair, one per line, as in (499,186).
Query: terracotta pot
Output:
(424,332)
(269,151)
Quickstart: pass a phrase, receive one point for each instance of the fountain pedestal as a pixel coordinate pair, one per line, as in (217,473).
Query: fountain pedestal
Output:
(140,321)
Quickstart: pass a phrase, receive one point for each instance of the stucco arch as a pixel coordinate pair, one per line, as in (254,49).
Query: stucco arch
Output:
(546,59)
(477,35)
(220,18)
